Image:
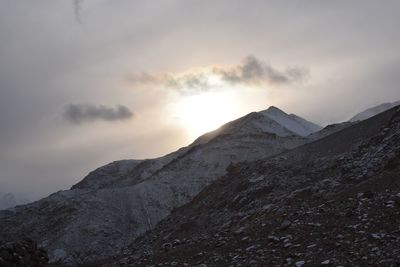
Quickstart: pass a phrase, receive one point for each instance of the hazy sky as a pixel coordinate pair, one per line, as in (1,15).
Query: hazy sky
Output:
(83,83)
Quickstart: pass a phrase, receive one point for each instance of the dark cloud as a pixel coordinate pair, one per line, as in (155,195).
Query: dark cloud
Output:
(81,113)
(251,71)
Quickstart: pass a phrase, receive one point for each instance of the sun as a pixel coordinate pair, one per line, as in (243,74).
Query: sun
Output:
(205,112)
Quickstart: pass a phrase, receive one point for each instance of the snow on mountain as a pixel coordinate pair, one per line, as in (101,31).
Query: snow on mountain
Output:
(373,111)
(292,122)
(252,123)
(116,203)
(271,120)
(309,126)
(124,172)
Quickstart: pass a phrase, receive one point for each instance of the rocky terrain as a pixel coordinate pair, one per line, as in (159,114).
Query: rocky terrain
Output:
(21,254)
(332,202)
(120,201)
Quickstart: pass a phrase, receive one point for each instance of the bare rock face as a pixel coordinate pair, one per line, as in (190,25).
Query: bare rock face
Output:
(118,202)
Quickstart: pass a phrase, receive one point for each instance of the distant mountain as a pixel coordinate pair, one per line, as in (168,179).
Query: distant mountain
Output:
(373,111)
(120,201)
(364,115)
(9,200)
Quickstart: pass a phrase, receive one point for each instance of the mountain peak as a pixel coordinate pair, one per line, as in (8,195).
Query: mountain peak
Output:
(291,122)
(273,109)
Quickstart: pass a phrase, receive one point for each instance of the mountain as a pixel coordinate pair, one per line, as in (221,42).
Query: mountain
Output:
(7,200)
(373,111)
(118,202)
(331,202)
(130,172)
(364,115)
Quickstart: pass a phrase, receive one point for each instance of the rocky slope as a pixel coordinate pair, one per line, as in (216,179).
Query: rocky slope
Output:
(330,129)
(332,202)
(118,202)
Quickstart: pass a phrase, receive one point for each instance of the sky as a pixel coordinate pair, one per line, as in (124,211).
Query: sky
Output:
(87,82)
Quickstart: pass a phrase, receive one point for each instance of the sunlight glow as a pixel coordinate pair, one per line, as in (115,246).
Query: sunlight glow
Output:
(205,112)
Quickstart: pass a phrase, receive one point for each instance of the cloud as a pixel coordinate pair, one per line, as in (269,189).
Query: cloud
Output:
(81,113)
(144,78)
(251,72)
(189,82)
(184,83)
(77,10)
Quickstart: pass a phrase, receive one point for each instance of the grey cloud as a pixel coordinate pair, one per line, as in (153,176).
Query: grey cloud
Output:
(80,113)
(251,71)
(189,83)
(77,10)
(144,78)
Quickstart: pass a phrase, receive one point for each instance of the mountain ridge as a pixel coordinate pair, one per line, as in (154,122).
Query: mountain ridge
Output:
(91,220)
(254,122)
(120,201)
